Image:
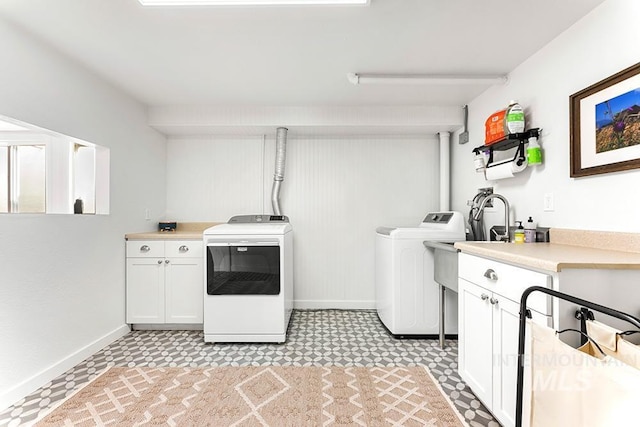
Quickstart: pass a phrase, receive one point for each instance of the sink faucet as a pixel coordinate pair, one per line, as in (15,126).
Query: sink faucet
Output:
(501,237)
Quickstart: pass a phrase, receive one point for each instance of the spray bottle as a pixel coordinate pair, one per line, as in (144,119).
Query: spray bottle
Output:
(534,154)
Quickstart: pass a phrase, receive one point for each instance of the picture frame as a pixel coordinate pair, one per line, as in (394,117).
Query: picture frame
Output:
(604,122)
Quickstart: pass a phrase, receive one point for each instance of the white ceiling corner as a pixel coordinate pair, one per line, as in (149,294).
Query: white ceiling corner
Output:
(295,55)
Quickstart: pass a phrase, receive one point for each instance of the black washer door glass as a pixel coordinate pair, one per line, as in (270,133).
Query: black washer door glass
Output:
(243,270)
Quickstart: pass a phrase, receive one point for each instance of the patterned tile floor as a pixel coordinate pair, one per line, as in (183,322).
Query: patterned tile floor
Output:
(316,337)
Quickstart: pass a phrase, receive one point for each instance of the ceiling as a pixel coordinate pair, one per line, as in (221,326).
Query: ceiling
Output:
(295,55)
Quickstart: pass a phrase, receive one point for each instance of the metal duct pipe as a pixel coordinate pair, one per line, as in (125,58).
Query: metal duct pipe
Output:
(445,175)
(278,176)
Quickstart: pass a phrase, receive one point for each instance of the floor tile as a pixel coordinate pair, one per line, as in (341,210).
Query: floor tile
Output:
(315,337)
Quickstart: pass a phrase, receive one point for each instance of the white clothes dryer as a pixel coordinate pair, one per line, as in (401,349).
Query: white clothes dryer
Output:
(248,289)
(407,295)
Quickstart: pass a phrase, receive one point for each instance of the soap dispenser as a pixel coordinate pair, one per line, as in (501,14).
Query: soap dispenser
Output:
(519,233)
(530,231)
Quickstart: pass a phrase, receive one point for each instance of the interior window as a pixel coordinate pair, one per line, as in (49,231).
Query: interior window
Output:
(84,179)
(27,178)
(46,172)
(4,179)
(22,178)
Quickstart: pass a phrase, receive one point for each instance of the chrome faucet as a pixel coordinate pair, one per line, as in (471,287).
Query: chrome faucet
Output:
(501,237)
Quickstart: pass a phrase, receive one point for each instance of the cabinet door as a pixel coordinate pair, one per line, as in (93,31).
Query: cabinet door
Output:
(184,290)
(475,340)
(505,348)
(506,323)
(145,290)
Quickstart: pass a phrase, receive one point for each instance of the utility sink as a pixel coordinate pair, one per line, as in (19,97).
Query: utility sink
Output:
(445,270)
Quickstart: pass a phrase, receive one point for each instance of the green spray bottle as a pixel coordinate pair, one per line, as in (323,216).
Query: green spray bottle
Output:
(534,153)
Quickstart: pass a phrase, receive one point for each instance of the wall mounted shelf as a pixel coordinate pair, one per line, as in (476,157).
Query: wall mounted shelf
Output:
(510,141)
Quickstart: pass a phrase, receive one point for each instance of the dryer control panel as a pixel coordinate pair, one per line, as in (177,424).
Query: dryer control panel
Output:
(248,219)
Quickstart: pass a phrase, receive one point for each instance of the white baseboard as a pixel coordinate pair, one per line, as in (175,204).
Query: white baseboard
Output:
(28,386)
(167,327)
(335,304)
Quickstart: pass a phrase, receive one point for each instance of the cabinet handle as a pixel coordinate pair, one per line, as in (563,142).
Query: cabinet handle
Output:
(144,248)
(484,297)
(490,274)
(494,301)
(166,261)
(183,248)
(159,261)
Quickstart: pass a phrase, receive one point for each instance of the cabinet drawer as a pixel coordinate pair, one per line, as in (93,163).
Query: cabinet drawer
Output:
(506,280)
(183,248)
(145,248)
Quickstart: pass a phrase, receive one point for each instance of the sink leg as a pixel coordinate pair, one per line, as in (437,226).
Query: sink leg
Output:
(441,301)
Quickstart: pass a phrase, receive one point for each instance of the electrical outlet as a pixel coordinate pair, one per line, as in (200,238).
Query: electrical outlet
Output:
(485,192)
(548,202)
(147,214)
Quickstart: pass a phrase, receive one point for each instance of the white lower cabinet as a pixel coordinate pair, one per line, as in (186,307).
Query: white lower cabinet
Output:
(164,282)
(475,339)
(488,321)
(145,290)
(184,290)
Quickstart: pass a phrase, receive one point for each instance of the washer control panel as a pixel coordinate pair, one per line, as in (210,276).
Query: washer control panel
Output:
(438,217)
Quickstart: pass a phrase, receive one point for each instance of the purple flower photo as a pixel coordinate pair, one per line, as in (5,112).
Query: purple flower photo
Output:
(618,122)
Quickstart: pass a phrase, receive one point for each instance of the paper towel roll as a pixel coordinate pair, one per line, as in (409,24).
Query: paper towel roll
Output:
(504,170)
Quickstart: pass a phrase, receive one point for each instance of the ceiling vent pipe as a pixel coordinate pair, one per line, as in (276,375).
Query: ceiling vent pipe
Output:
(445,171)
(278,176)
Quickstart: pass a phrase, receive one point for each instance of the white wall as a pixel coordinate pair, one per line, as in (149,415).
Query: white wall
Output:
(336,192)
(62,276)
(214,179)
(601,44)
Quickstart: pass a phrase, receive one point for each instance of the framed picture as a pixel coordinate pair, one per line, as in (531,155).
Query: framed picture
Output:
(605,125)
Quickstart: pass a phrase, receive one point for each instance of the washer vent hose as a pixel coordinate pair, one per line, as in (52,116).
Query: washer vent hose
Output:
(278,176)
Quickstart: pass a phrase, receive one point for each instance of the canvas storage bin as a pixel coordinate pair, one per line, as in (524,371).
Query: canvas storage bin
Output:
(570,387)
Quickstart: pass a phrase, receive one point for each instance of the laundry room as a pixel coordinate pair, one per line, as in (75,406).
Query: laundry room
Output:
(385,108)
(331,187)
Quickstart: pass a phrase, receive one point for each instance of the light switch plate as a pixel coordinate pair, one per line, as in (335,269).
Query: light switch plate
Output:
(548,202)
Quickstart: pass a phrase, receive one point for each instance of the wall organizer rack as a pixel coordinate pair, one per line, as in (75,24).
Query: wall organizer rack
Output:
(513,140)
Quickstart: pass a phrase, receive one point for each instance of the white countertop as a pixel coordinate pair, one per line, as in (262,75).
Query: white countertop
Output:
(552,256)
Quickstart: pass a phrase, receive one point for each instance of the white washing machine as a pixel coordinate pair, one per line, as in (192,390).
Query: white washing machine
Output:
(407,296)
(248,289)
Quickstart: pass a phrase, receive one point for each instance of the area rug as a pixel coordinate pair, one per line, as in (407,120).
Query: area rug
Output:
(258,396)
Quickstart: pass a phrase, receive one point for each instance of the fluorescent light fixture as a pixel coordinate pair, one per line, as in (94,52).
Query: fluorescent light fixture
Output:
(425,79)
(251,2)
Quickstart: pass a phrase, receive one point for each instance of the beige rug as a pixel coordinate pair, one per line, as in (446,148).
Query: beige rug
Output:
(258,396)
